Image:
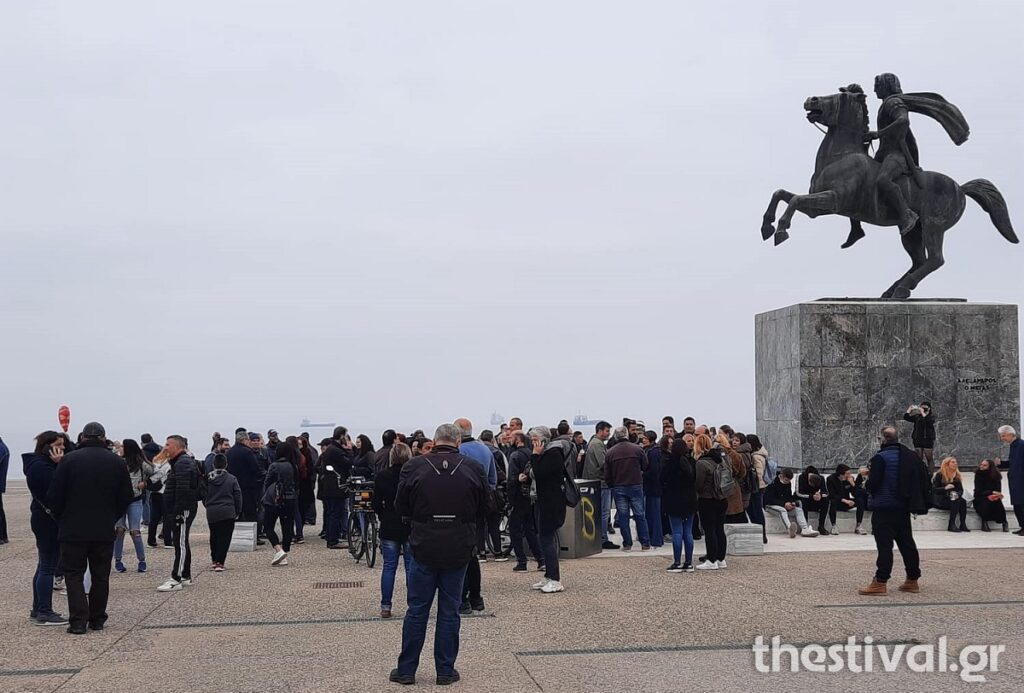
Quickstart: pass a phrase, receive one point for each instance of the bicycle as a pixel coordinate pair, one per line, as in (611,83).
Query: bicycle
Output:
(363,537)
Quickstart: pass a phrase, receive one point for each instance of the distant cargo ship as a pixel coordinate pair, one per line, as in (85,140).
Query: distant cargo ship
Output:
(306,423)
(582,420)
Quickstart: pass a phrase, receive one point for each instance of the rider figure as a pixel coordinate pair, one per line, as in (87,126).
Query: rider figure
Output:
(897,150)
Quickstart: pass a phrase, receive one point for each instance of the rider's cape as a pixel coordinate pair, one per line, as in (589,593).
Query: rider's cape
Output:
(937,108)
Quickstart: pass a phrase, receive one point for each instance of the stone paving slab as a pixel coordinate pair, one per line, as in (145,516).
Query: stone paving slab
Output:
(259,628)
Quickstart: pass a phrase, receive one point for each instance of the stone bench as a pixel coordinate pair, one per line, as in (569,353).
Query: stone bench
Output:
(935,520)
(744,540)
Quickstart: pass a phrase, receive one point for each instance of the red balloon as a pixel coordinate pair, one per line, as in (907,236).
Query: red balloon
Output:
(64,416)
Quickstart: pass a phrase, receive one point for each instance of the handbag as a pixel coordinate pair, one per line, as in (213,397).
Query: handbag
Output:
(570,490)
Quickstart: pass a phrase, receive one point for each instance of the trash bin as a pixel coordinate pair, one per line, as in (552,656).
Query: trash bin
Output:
(581,534)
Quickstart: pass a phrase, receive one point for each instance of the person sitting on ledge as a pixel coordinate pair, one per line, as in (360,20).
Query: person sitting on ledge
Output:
(842,495)
(810,489)
(948,494)
(779,498)
(988,495)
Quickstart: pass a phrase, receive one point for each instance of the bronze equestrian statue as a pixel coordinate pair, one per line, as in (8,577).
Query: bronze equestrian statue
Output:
(889,189)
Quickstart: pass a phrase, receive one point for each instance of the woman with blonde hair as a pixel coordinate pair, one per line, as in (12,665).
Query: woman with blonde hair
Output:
(948,493)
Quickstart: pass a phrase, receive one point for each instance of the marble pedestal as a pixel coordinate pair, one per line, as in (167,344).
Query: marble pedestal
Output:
(831,373)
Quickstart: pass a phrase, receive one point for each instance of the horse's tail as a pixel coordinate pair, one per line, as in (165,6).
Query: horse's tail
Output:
(991,200)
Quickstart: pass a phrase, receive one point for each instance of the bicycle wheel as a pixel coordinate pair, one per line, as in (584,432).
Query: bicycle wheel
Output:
(372,541)
(355,537)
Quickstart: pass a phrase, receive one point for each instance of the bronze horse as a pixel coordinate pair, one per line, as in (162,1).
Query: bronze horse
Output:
(844,183)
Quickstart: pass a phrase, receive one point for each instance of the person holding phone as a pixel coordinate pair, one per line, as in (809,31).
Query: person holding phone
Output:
(923,418)
(39,467)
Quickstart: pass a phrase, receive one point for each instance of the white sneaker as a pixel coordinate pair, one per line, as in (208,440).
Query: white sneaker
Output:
(708,565)
(278,557)
(551,587)
(186,582)
(808,532)
(540,585)
(284,561)
(722,565)
(169,586)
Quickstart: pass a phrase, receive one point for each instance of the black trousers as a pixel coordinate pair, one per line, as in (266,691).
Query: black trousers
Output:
(74,557)
(957,509)
(220,540)
(522,525)
(493,528)
(471,587)
(249,506)
(156,516)
(890,526)
(860,503)
(286,513)
(990,511)
(712,516)
(822,508)
(182,526)
(1018,511)
(3,520)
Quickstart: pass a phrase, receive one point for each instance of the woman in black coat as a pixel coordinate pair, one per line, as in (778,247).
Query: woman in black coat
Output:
(948,494)
(988,495)
(394,533)
(679,502)
(547,467)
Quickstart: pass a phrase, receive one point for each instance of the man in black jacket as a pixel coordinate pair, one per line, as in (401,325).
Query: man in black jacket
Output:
(91,489)
(898,485)
(242,463)
(522,522)
(336,454)
(445,495)
(382,458)
(182,492)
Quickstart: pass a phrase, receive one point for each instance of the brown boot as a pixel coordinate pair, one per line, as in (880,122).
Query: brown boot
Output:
(875,588)
(909,586)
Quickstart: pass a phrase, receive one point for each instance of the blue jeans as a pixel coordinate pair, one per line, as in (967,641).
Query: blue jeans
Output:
(334,517)
(682,533)
(389,549)
(606,511)
(627,497)
(653,508)
(423,583)
(131,522)
(48,550)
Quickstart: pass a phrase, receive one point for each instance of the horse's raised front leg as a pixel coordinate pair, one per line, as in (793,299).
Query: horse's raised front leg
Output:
(767,228)
(856,233)
(812,205)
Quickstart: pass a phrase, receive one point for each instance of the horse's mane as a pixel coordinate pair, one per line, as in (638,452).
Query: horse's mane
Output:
(857,89)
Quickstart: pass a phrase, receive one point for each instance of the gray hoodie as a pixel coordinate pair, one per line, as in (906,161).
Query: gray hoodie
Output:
(223,496)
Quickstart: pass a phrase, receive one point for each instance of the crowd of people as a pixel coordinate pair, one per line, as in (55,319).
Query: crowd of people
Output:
(441,500)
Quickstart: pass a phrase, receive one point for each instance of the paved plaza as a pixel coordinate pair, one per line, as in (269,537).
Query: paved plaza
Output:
(622,623)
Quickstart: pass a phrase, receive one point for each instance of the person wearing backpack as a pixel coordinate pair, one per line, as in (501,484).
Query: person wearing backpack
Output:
(547,468)
(182,492)
(279,495)
(714,487)
(739,465)
(759,458)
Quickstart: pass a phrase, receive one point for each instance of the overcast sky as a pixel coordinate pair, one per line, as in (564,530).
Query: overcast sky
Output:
(244,213)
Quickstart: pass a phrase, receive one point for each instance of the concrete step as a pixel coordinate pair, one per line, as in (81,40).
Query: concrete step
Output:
(935,520)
